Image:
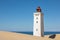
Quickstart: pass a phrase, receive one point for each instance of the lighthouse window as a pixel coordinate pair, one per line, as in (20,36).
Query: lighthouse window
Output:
(36,14)
(36,21)
(36,29)
(36,17)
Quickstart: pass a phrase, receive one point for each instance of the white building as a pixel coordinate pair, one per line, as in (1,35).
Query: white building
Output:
(38,26)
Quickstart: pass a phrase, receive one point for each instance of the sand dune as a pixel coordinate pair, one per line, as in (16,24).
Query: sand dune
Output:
(17,36)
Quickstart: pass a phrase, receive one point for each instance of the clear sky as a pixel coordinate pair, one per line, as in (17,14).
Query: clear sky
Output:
(17,15)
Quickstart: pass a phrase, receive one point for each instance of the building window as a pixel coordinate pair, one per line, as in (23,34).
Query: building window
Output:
(36,21)
(36,17)
(36,14)
(36,29)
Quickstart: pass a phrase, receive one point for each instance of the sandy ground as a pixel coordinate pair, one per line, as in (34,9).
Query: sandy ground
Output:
(17,36)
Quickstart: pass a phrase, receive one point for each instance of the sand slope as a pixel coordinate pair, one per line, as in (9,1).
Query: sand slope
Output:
(15,36)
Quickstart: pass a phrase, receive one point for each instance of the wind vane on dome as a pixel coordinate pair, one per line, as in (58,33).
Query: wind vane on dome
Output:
(38,9)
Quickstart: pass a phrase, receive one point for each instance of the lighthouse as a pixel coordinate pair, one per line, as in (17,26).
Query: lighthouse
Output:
(38,24)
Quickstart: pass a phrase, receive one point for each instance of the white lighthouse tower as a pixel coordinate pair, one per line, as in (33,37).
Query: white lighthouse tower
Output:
(38,26)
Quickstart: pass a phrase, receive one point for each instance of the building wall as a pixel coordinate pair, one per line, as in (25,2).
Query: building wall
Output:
(42,25)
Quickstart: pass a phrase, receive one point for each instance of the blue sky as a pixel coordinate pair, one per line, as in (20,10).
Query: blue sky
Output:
(17,15)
